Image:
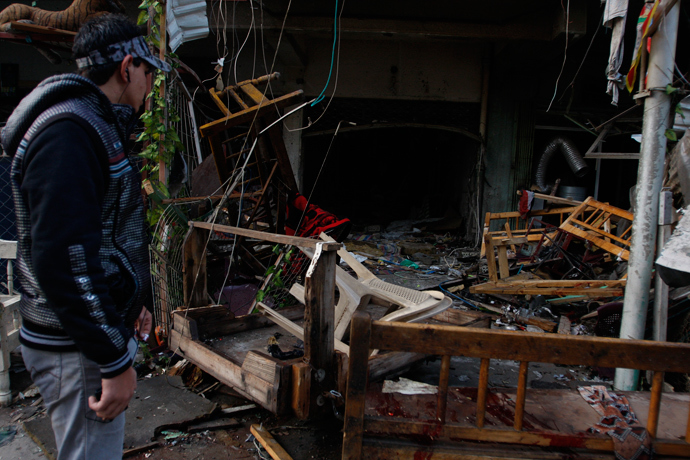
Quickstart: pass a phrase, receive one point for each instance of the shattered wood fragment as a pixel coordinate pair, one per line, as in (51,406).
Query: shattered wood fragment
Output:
(564,325)
(274,449)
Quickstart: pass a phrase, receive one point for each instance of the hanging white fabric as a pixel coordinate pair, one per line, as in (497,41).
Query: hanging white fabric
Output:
(615,13)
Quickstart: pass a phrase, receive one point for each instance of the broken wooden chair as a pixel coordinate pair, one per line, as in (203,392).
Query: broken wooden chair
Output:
(593,220)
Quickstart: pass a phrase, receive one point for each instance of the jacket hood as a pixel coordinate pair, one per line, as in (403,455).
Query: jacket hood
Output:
(54,90)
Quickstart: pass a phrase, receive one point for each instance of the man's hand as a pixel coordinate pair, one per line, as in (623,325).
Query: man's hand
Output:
(142,326)
(115,395)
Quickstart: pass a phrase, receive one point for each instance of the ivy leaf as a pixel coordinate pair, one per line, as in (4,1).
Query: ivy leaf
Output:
(679,111)
(143,17)
(671,135)
(260,294)
(270,270)
(276,249)
(278,282)
(670,89)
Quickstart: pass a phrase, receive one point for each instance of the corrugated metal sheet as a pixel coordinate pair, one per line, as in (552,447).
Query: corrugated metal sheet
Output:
(186,21)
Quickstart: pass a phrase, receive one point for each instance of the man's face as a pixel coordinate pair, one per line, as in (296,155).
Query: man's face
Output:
(138,85)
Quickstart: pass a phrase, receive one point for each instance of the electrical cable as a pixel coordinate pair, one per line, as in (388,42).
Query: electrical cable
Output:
(320,97)
(565,54)
(584,57)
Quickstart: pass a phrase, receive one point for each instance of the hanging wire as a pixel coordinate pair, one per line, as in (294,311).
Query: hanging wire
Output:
(330,71)
(565,54)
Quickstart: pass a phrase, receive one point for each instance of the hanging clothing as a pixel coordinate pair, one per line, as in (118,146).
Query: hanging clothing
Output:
(615,13)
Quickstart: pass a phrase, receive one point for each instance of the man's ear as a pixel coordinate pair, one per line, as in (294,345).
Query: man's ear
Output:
(124,66)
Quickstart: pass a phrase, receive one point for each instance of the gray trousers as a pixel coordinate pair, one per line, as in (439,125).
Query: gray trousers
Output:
(66,380)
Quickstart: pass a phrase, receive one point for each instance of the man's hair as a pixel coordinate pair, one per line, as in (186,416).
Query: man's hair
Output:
(97,34)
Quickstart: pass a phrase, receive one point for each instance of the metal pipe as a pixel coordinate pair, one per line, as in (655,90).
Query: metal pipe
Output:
(657,108)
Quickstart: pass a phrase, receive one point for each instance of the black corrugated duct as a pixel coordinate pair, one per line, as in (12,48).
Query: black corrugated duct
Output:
(572,156)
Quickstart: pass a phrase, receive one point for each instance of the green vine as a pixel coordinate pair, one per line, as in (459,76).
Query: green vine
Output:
(159,136)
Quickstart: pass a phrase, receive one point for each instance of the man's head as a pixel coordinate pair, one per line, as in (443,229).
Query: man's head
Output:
(110,50)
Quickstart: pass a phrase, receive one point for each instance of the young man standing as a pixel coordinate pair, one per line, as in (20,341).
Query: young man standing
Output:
(83,248)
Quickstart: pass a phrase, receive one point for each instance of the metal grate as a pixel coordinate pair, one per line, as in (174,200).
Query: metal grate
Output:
(8,230)
(166,265)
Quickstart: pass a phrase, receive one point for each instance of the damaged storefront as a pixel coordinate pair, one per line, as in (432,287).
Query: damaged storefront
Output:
(409,232)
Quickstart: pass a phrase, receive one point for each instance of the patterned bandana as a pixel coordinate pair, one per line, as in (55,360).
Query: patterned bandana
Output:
(116,52)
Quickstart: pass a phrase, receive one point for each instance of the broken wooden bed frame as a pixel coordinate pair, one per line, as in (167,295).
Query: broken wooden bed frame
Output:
(281,386)
(503,423)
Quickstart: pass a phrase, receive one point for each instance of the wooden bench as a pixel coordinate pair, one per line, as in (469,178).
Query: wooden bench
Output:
(503,423)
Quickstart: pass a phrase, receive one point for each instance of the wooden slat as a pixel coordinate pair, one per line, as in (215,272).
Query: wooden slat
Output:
(520,397)
(319,323)
(353,428)
(301,383)
(517,289)
(490,257)
(221,105)
(442,400)
(482,389)
(386,426)
(236,97)
(503,267)
(655,403)
(274,449)
(194,267)
(531,347)
(220,366)
(254,94)
(272,237)
(218,126)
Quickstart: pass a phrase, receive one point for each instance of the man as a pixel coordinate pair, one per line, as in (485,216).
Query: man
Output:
(83,257)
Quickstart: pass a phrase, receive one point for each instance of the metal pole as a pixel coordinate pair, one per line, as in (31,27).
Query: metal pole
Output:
(661,288)
(657,108)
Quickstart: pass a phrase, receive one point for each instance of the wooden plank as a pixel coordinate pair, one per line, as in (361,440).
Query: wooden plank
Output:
(319,323)
(482,389)
(503,267)
(531,347)
(293,328)
(301,384)
(274,449)
(442,395)
(272,237)
(256,364)
(655,403)
(382,426)
(194,267)
(602,243)
(243,116)
(464,318)
(254,94)
(388,426)
(564,325)
(221,105)
(520,397)
(399,449)
(353,428)
(498,288)
(222,368)
(382,365)
(490,258)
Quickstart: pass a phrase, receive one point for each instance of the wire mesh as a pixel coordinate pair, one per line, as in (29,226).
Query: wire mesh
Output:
(8,230)
(166,265)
